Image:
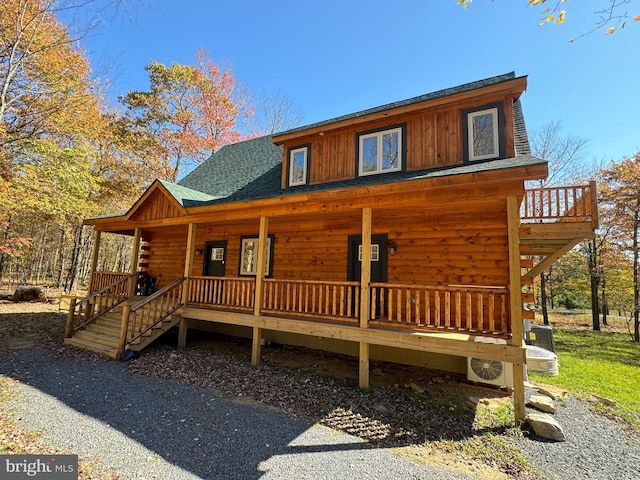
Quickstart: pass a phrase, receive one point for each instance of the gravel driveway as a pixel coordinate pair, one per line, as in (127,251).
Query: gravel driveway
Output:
(152,428)
(146,427)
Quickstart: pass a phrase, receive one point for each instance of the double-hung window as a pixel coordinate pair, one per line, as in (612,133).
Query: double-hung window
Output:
(298,165)
(484,133)
(380,151)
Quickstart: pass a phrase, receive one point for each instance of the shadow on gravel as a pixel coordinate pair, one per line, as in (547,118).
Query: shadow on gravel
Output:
(191,428)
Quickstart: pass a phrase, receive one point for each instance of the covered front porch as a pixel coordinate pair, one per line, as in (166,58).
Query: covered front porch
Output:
(472,255)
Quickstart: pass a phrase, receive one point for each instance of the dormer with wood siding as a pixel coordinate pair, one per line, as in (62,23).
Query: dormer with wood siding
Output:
(431,132)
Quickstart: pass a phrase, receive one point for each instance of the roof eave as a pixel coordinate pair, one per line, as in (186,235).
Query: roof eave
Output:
(513,88)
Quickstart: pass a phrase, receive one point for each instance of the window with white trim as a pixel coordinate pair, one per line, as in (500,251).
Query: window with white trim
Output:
(298,161)
(375,252)
(380,152)
(249,256)
(483,136)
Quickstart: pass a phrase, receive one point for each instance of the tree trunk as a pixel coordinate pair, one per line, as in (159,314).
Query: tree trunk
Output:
(594,281)
(72,272)
(636,286)
(605,304)
(61,259)
(5,237)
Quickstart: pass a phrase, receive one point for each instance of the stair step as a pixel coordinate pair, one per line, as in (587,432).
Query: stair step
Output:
(109,322)
(110,330)
(108,340)
(94,347)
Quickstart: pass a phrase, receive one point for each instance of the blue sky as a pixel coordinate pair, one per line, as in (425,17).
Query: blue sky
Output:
(334,57)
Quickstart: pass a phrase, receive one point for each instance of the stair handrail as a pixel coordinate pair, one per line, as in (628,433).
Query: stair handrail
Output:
(178,302)
(88,302)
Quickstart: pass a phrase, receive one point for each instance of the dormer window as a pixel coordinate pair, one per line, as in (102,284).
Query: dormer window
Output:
(484,133)
(380,151)
(298,165)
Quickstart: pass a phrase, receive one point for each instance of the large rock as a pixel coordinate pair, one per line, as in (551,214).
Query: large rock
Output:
(542,403)
(557,393)
(545,426)
(29,294)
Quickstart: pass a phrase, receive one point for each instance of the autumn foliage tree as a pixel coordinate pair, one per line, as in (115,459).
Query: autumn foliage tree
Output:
(610,16)
(192,110)
(55,141)
(621,195)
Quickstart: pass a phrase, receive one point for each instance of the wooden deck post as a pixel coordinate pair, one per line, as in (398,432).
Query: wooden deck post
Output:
(188,265)
(124,329)
(133,283)
(182,332)
(515,295)
(593,190)
(365,297)
(135,252)
(257,304)
(94,258)
(68,328)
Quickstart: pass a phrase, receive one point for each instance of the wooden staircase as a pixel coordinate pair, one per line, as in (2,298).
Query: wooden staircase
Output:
(146,318)
(103,334)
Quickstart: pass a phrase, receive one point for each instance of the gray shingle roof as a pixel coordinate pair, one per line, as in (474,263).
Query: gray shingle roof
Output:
(520,130)
(467,87)
(238,168)
(252,169)
(186,196)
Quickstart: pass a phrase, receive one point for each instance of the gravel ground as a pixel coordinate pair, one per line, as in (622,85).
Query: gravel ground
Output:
(198,414)
(595,448)
(148,428)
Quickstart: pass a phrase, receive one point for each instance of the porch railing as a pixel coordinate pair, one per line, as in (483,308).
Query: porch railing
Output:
(557,204)
(150,312)
(102,280)
(97,304)
(430,307)
(461,308)
(309,298)
(235,293)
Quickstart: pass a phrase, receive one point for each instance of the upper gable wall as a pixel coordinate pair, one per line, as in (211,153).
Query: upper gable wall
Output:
(157,206)
(433,133)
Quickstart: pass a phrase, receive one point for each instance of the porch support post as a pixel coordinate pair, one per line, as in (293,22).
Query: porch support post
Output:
(135,252)
(260,271)
(188,265)
(365,297)
(133,283)
(515,295)
(94,258)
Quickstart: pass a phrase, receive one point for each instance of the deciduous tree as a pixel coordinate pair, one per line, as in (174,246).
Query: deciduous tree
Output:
(192,109)
(612,15)
(621,194)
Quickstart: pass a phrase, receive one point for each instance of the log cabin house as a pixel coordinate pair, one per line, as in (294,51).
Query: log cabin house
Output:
(402,233)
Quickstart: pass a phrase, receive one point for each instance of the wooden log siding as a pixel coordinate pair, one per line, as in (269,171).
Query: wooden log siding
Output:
(235,293)
(552,204)
(314,299)
(102,280)
(468,309)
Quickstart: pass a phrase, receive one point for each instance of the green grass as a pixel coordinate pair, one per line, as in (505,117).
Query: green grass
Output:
(599,363)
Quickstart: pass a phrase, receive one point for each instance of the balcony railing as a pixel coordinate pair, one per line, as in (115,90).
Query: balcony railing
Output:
(559,204)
